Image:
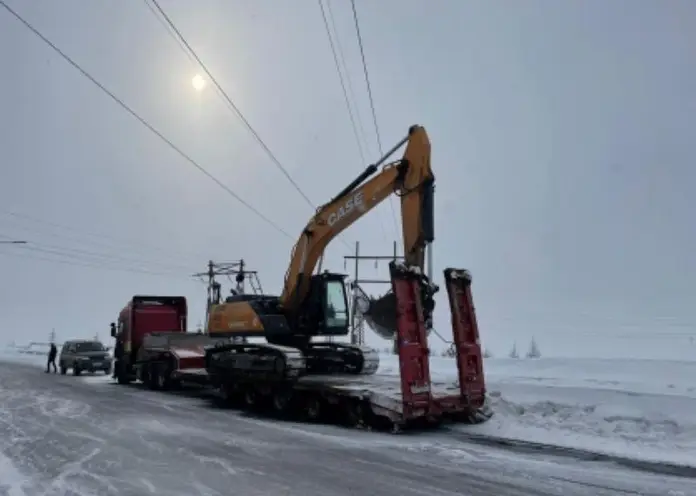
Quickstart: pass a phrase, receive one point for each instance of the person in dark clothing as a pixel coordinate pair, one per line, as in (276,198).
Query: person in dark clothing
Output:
(52,359)
(118,350)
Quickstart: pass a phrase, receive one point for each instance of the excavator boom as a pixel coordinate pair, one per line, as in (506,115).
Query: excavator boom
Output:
(410,178)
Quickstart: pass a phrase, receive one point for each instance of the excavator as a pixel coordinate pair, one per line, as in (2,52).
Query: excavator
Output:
(316,305)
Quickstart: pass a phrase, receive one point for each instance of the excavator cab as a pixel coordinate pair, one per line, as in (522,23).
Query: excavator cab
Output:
(325,312)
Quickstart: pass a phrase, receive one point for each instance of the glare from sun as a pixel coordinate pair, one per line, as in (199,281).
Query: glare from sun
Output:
(198,82)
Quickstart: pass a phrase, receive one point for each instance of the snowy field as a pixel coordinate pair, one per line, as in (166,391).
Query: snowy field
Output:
(637,409)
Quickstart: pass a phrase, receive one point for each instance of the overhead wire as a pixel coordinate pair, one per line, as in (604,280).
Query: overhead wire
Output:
(145,123)
(184,44)
(76,260)
(239,113)
(345,92)
(349,83)
(369,94)
(343,85)
(367,75)
(98,238)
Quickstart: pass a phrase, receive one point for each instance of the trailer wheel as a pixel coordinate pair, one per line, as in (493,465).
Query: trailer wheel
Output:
(225,395)
(251,399)
(282,400)
(355,415)
(313,408)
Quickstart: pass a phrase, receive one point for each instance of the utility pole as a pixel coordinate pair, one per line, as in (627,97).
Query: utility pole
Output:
(228,269)
(357,324)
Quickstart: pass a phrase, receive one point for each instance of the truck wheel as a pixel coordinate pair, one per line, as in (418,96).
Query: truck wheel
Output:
(76,370)
(151,375)
(162,378)
(123,378)
(63,369)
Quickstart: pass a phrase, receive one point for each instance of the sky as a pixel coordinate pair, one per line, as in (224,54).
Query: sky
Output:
(562,145)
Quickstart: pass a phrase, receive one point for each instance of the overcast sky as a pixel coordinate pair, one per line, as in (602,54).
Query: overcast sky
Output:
(563,148)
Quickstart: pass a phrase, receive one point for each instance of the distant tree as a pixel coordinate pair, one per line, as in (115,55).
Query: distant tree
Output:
(513,351)
(533,351)
(487,353)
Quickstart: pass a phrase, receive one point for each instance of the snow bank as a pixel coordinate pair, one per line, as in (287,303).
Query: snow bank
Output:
(639,409)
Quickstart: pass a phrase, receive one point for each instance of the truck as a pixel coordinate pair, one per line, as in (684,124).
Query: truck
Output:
(152,344)
(287,372)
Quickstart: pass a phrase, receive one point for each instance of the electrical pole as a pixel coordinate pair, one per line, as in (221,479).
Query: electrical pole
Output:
(357,335)
(228,269)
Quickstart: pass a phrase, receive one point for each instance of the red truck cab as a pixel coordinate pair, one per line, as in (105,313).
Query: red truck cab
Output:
(141,316)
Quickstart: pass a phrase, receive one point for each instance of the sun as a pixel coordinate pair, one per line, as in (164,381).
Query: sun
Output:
(198,82)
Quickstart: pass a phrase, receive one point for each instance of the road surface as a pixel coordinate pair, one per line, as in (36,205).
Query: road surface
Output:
(69,436)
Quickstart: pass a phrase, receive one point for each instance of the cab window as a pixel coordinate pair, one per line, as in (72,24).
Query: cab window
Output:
(336,309)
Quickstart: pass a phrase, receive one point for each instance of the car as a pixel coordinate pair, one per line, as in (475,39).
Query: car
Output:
(84,355)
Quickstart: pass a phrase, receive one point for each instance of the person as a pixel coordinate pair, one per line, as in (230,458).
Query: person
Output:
(52,359)
(118,350)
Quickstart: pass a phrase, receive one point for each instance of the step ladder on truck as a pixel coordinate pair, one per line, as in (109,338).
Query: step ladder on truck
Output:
(382,401)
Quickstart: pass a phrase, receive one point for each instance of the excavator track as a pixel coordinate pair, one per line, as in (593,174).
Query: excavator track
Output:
(255,361)
(341,358)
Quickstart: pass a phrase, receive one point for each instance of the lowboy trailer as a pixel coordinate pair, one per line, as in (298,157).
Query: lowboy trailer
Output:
(411,398)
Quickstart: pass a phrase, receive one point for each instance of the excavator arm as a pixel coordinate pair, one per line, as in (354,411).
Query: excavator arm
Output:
(410,178)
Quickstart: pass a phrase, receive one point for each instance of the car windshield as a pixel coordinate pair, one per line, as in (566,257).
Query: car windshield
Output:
(89,346)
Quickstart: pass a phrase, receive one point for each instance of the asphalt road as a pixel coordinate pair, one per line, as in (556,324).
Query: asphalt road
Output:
(68,436)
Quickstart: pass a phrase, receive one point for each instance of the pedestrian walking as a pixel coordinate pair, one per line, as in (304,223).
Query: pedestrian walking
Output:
(52,359)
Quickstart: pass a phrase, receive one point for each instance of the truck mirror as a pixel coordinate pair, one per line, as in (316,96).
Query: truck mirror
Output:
(113,330)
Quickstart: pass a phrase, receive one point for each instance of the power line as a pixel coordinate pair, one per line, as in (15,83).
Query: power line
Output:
(372,103)
(80,262)
(343,86)
(367,76)
(172,30)
(142,120)
(169,31)
(345,93)
(345,70)
(99,238)
(236,109)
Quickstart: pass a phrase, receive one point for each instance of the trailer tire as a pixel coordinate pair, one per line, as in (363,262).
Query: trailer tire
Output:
(251,399)
(225,396)
(355,414)
(282,401)
(313,408)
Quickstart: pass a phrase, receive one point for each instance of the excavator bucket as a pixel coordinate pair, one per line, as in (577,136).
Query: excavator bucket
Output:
(380,314)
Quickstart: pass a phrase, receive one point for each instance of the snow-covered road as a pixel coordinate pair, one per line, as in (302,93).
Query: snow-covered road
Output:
(63,436)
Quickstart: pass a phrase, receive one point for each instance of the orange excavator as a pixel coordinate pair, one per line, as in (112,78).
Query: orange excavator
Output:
(316,305)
